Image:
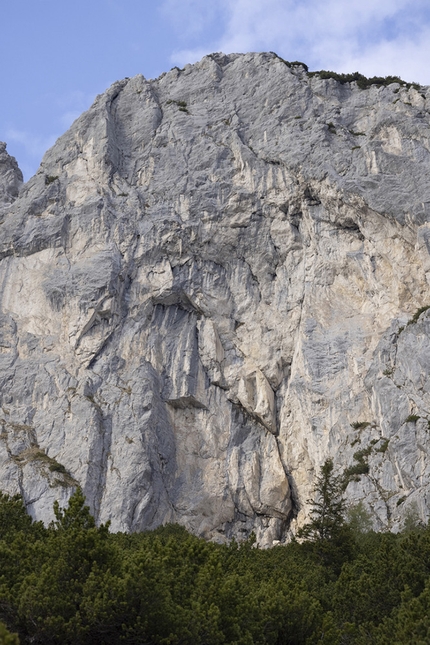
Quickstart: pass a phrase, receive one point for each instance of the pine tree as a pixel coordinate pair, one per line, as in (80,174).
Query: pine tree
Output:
(328,507)
(327,528)
(76,516)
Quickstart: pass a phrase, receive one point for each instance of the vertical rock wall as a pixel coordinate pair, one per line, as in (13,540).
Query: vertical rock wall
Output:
(202,296)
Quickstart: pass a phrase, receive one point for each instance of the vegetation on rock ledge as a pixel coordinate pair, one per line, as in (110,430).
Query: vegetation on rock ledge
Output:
(362,81)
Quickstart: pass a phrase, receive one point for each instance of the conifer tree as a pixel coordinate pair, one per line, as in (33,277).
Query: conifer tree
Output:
(328,507)
(327,528)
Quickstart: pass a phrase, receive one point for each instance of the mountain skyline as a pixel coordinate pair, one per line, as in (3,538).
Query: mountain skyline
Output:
(58,57)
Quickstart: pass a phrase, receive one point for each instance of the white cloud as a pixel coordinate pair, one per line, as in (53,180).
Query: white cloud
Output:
(405,58)
(28,149)
(185,56)
(67,118)
(34,145)
(73,103)
(375,38)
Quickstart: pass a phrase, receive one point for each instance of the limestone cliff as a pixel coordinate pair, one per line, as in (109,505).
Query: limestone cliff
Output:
(205,292)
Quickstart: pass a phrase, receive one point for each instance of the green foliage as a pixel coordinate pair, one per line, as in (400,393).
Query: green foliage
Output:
(412,520)
(49,179)
(57,468)
(412,418)
(360,425)
(356,470)
(181,105)
(360,468)
(417,314)
(295,63)
(384,445)
(6,638)
(328,507)
(409,622)
(76,515)
(327,529)
(361,454)
(359,519)
(13,516)
(77,584)
(362,81)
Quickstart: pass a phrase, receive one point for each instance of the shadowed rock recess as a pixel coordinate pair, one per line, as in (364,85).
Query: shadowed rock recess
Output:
(205,292)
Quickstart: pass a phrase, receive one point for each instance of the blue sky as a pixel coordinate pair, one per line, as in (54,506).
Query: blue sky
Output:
(57,55)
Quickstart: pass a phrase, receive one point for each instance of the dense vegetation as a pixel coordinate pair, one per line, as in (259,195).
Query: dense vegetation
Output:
(75,583)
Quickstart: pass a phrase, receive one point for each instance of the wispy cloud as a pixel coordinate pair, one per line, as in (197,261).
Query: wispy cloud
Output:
(384,37)
(34,145)
(66,119)
(72,105)
(29,147)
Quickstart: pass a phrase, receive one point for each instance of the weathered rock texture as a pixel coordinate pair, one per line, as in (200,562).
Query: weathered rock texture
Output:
(205,284)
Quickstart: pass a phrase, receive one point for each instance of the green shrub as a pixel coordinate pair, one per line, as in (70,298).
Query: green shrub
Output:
(181,105)
(361,454)
(57,468)
(76,583)
(360,425)
(358,469)
(362,81)
(417,314)
(412,418)
(384,445)
(6,638)
(359,518)
(295,63)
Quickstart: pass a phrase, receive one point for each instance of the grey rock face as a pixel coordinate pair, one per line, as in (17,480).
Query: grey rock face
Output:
(10,177)
(202,290)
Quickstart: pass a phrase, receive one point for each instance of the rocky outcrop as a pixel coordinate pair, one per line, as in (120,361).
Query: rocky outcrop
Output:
(10,177)
(205,292)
